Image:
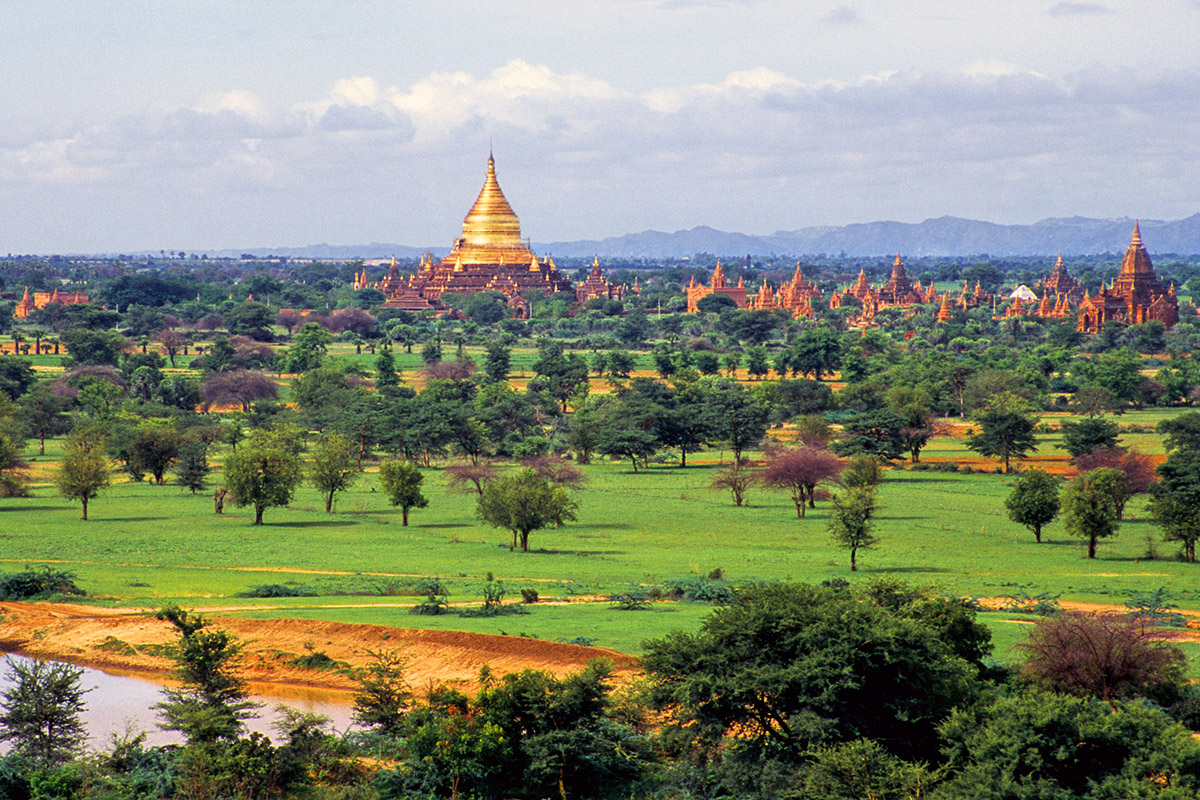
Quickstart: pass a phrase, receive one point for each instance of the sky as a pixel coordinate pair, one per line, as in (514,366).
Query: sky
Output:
(193,125)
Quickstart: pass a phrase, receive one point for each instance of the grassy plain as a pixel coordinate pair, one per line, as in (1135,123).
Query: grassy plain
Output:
(147,545)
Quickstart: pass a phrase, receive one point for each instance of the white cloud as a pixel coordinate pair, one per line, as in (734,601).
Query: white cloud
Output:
(841,16)
(1075,9)
(756,151)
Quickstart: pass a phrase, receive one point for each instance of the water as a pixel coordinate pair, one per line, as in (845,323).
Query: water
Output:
(119,702)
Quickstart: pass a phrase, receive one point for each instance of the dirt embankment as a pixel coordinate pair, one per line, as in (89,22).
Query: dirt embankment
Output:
(132,640)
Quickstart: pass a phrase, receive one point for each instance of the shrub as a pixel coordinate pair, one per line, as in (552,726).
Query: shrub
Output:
(35,584)
(701,590)
(529,595)
(1155,608)
(1043,604)
(634,599)
(279,590)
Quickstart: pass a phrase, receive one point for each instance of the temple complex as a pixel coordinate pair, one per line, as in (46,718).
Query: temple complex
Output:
(31,302)
(795,296)
(490,256)
(1061,284)
(597,287)
(1134,297)
(717,285)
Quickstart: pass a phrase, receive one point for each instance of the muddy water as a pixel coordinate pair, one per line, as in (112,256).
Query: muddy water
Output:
(118,702)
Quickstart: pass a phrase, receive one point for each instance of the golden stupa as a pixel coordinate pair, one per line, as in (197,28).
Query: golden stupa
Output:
(489,256)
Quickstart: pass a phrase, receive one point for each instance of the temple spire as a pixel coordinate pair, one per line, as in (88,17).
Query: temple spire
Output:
(1137,234)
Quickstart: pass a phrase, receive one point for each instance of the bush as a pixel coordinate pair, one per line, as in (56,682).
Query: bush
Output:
(634,599)
(36,584)
(279,590)
(1043,604)
(529,595)
(700,590)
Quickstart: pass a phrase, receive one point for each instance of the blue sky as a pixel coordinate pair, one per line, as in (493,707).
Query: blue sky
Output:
(191,125)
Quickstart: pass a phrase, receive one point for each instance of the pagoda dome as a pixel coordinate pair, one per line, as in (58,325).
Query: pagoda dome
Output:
(491,222)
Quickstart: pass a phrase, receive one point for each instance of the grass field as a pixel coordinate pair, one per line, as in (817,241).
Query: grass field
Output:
(147,545)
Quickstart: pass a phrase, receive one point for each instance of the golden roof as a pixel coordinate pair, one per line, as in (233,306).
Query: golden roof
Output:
(491,222)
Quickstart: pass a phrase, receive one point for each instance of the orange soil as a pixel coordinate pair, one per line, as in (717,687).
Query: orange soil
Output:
(117,639)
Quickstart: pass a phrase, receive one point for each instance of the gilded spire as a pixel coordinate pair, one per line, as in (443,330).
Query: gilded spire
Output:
(491,222)
(1137,234)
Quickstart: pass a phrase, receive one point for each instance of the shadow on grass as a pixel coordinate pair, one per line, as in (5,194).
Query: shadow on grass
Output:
(540,551)
(442,525)
(927,478)
(610,526)
(906,570)
(127,519)
(324,523)
(31,508)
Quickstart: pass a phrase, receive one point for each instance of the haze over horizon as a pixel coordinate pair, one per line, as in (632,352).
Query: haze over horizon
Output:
(222,125)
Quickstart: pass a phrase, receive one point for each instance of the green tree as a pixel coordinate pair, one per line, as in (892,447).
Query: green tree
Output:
(264,472)
(191,468)
(334,466)
(1029,745)
(308,349)
(93,347)
(39,711)
(212,701)
(735,417)
(850,522)
(385,370)
(817,351)
(879,434)
(401,483)
(155,446)
(497,361)
(383,694)
(1175,500)
(83,473)
(1088,435)
(1090,506)
(788,667)
(522,502)
(1006,432)
(1034,501)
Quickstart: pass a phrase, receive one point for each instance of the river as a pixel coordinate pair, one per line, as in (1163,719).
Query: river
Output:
(117,702)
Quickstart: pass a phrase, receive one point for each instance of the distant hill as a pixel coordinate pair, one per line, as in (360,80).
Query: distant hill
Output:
(944,236)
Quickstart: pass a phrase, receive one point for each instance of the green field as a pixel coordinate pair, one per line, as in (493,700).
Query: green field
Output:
(147,545)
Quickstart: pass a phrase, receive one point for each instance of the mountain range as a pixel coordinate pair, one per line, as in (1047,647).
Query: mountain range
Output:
(943,236)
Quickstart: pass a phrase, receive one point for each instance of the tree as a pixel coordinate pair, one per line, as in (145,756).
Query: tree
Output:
(308,349)
(93,347)
(1176,499)
(334,466)
(817,351)
(800,470)
(401,483)
(191,468)
(850,521)
(880,434)
(241,386)
(469,477)
(212,700)
(155,446)
(1090,506)
(383,694)
(735,417)
(83,473)
(1034,501)
(622,437)
(523,502)
(1105,656)
(16,376)
(39,711)
(736,479)
(1088,435)
(1035,744)
(786,667)
(385,370)
(251,319)
(172,342)
(862,471)
(264,472)
(497,360)
(1005,432)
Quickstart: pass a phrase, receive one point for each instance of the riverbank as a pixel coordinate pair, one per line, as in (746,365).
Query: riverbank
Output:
(283,652)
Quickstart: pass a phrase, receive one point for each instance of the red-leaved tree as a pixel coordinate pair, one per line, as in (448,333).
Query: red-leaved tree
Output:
(240,386)
(1105,656)
(468,477)
(800,470)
